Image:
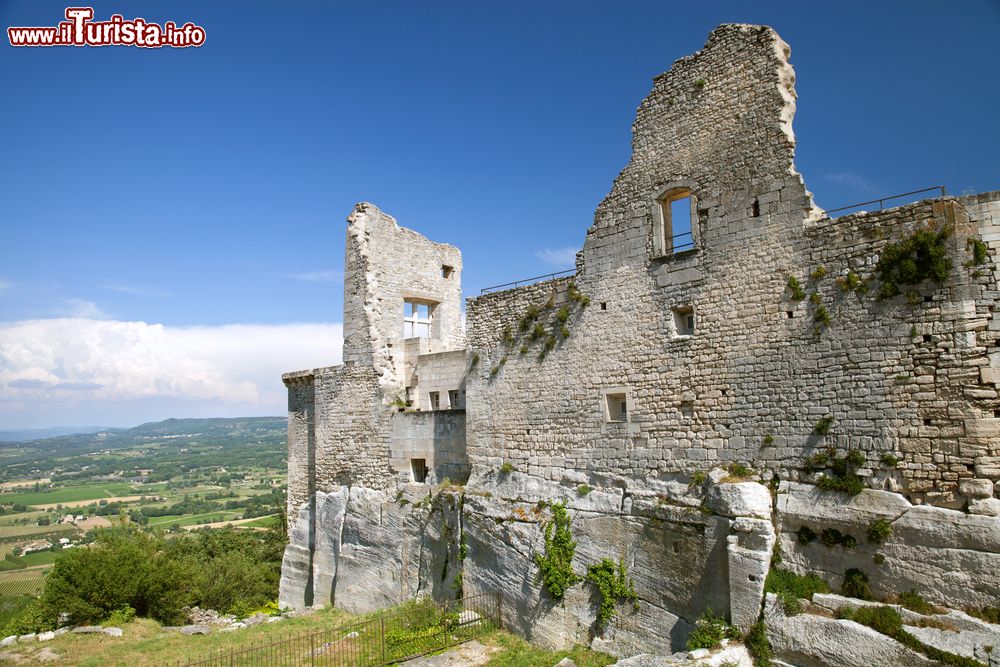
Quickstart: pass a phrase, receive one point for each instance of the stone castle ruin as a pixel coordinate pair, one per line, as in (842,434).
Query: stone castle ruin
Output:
(726,365)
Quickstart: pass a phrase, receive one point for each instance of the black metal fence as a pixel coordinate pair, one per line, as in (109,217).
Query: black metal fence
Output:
(526,281)
(416,629)
(881,202)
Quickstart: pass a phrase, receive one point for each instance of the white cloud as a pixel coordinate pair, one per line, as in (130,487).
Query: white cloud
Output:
(138,290)
(325,276)
(85,309)
(5,286)
(560,258)
(851,180)
(50,368)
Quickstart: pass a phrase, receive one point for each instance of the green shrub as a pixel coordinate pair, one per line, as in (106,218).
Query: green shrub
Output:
(537,332)
(506,468)
(805,535)
(797,292)
(738,470)
(768,439)
(921,256)
(879,531)
(614,586)
(234,582)
(818,272)
(822,427)
(120,616)
(30,616)
(844,475)
(563,314)
(881,619)
(582,490)
(889,461)
(556,564)
(815,299)
(914,601)
(822,316)
(758,645)
(850,282)
(709,630)
(780,581)
(856,585)
(980,251)
(878,559)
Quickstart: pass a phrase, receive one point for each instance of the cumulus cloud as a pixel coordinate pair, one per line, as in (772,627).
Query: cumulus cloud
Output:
(325,276)
(49,366)
(560,258)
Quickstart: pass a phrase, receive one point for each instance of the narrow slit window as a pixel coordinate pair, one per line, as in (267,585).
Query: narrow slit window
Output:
(453,399)
(435,400)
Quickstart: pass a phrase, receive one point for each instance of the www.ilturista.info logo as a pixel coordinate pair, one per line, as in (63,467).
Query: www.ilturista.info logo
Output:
(80,30)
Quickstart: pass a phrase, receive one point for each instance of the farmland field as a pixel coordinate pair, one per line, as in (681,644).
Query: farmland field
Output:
(68,494)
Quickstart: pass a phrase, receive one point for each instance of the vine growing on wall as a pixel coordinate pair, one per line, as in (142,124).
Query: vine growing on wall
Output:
(556,564)
(542,327)
(614,585)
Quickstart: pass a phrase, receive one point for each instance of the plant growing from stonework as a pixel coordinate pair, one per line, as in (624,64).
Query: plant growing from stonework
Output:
(921,256)
(555,565)
(614,585)
(850,282)
(879,531)
(822,427)
(709,630)
(507,468)
(797,292)
(843,476)
(980,252)
(818,272)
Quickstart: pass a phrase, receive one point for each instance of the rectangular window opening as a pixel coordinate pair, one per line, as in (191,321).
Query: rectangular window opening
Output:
(453,399)
(418,469)
(616,407)
(687,409)
(435,397)
(684,321)
(446,271)
(418,316)
(675,222)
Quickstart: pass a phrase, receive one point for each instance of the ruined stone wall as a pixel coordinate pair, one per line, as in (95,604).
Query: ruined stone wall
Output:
(752,382)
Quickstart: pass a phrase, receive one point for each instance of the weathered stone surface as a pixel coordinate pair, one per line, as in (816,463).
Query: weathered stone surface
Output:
(86,629)
(46,636)
(111,631)
(744,499)
(807,640)
(8,641)
(950,557)
(968,643)
(196,630)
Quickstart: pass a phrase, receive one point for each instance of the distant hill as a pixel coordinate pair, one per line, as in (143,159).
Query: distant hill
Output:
(236,434)
(24,435)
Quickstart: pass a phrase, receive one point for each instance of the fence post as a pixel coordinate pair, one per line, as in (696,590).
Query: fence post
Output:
(312,648)
(381,623)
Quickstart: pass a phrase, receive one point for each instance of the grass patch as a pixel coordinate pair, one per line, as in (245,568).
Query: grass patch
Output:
(791,587)
(516,652)
(709,630)
(887,621)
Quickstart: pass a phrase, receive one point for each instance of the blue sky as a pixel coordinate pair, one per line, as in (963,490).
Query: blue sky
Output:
(196,189)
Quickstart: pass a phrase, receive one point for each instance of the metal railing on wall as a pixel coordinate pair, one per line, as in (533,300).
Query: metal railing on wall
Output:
(526,281)
(881,202)
(418,628)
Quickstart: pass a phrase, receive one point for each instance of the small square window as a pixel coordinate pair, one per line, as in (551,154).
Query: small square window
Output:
(616,407)
(684,321)
(446,271)
(687,409)
(418,469)
(435,397)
